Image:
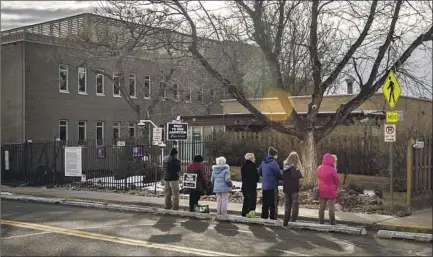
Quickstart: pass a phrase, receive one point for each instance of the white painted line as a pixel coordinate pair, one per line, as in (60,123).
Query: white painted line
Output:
(26,235)
(291,253)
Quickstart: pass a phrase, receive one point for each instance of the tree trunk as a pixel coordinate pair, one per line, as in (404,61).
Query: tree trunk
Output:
(309,160)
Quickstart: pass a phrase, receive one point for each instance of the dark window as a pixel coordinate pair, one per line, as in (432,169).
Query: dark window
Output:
(147,87)
(131,130)
(81,132)
(162,89)
(63,130)
(99,133)
(116,85)
(82,80)
(63,78)
(100,82)
(200,94)
(116,131)
(132,85)
(175,92)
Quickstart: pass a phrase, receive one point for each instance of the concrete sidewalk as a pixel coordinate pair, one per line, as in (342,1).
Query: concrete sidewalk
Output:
(417,223)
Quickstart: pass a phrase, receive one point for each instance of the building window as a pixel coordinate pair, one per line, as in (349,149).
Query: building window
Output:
(63,78)
(116,85)
(188,95)
(82,132)
(99,133)
(82,80)
(175,89)
(212,93)
(63,130)
(147,87)
(131,128)
(116,132)
(162,89)
(200,94)
(132,86)
(100,82)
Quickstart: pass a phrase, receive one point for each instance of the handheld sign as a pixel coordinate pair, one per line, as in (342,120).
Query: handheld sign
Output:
(190,180)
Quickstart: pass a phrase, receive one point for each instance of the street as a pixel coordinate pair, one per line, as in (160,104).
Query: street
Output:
(55,230)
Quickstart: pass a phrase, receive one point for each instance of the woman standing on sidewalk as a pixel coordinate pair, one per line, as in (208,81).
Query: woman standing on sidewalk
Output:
(197,167)
(250,177)
(292,173)
(328,184)
(222,184)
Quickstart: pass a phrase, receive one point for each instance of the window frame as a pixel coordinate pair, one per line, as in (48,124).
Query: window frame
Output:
(116,125)
(114,85)
(132,125)
(163,94)
(85,131)
(102,138)
(85,80)
(100,72)
(189,90)
(147,80)
(200,94)
(66,69)
(67,129)
(132,76)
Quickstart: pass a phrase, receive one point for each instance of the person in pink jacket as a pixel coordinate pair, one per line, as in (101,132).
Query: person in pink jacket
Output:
(328,183)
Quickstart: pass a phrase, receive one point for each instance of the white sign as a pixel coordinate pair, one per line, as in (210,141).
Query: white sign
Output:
(6,160)
(419,144)
(190,180)
(73,162)
(83,178)
(390,133)
(121,143)
(400,115)
(157,135)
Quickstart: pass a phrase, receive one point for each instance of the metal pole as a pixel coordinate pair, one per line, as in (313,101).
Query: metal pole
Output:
(391,178)
(162,168)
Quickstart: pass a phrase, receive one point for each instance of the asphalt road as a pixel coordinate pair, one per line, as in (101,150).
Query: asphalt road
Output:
(55,230)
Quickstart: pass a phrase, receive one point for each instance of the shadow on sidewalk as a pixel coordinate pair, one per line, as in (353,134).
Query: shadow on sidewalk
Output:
(226,229)
(195,225)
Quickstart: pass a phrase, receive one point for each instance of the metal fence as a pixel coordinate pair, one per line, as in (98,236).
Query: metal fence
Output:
(108,165)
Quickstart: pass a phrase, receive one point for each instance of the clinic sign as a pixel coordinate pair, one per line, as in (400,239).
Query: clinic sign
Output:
(177,131)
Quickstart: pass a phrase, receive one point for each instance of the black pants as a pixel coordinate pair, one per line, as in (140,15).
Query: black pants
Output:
(270,204)
(291,209)
(194,197)
(250,201)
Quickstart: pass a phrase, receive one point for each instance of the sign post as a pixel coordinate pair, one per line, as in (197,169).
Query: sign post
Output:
(391,90)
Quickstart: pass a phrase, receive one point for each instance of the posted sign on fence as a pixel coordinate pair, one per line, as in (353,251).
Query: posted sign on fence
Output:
(73,162)
(177,131)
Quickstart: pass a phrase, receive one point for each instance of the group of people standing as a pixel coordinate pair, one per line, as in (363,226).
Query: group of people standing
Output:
(272,177)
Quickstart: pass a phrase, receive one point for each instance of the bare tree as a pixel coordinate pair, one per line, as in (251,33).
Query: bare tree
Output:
(341,34)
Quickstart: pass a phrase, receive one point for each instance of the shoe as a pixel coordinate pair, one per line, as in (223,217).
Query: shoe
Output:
(251,214)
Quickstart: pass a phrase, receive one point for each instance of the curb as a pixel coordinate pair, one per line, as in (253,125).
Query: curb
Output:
(202,216)
(422,237)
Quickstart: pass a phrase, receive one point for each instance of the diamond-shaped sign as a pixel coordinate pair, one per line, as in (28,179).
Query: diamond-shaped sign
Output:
(391,89)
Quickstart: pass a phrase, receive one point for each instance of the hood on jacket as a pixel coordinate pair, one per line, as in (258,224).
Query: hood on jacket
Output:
(287,166)
(268,158)
(217,169)
(328,159)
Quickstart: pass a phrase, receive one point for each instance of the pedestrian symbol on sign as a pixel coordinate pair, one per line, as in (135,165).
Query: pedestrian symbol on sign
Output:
(391,89)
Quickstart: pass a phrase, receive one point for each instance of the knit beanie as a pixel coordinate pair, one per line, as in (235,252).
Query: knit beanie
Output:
(173,152)
(198,158)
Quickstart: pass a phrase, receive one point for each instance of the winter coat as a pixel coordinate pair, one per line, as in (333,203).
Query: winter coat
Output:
(328,178)
(221,178)
(171,167)
(202,176)
(270,172)
(291,176)
(250,176)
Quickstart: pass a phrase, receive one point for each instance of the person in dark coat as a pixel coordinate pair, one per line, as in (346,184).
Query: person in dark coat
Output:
(271,175)
(197,167)
(292,173)
(171,167)
(250,177)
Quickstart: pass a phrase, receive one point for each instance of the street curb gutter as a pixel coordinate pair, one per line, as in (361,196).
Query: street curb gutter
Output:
(423,237)
(202,216)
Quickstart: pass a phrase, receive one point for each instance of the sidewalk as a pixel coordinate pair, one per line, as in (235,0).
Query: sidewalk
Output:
(420,222)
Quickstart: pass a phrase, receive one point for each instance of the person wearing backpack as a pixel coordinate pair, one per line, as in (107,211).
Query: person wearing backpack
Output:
(197,167)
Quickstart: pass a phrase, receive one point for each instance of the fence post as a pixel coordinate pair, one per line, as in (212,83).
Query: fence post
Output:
(409,173)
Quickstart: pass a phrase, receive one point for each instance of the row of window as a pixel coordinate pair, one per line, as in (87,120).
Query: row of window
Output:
(99,129)
(117,85)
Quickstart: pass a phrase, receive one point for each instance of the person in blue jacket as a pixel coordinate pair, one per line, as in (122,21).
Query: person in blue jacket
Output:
(270,172)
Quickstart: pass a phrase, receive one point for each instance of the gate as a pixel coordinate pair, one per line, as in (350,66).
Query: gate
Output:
(419,174)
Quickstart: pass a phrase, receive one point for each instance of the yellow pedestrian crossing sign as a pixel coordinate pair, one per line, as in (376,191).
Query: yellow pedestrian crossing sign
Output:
(391,89)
